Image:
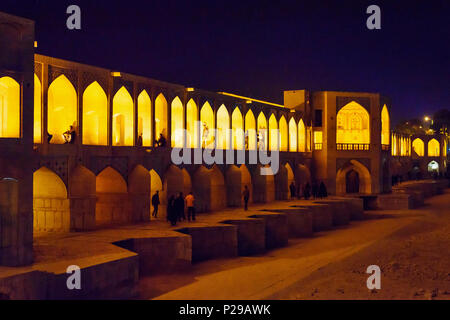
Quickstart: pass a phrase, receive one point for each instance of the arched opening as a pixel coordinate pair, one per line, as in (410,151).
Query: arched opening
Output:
(156,185)
(82,189)
(433,148)
(50,203)
(364,180)
(274,133)
(433,167)
(302,177)
(144,119)
(237,129)
(209,189)
(62,109)
(176,180)
(139,194)
(250,131)
(113,206)
(353,125)
(283,180)
(262,138)
(207,120)
(418,147)
(236,180)
(177,123)
(9,108)
(192,124)
(95,115)
(292,135)
(385,126)
(160,116)
(123,118)
(263,185)
(37,110)
(352,182)
(223,125)
(301,136)
(283,134)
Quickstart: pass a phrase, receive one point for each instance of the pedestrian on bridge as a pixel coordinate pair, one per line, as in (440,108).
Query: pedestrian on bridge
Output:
(155,203)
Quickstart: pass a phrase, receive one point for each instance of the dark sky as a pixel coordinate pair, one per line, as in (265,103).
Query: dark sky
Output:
(260,48)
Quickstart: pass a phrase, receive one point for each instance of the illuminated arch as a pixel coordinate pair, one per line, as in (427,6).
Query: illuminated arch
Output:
(160,116)
(192,124)
(82,183)
(250,131)
(47,184)
(283,179)
(62,108)
(177,123)
(9,108)
(123,118)
(418,147)
(263,185)
(302,176)
(365,180)
(262,132)
(176,180)
(274,133)
(37,135)
(301,136)
(223,125)
(385,127)
(283,134)
(207,130)
(353,124)
(145,118)
(433,148)
(237,129)
(95,115)
(236,180)
(433,167)
(292,135)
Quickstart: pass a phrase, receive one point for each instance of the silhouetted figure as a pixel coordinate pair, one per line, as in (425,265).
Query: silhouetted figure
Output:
(171,211)
(139,141)
(70,135)
(73,135)
(307,191)
(190,206)
(155,203)
(161,142)
(323,190)
(179,207)
(292,189)
(246,195)
(49,137)
(246,139)
(315,190)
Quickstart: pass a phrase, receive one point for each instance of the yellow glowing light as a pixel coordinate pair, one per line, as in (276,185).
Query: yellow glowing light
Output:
(250,131)
(353,124)
(283,139)
(274,134)
(177,123)
(292,135)
(9,108)
(385,126)
(123,122)
(191,124)
(301,136)
(35,44)
(160,116)
(145,118)
(238,129)
(419,147)
(37,110)
(251,99)
(223,124)
(116,74)
(189,89)
(207,123)
(95,115)
(433,148)
(262,131)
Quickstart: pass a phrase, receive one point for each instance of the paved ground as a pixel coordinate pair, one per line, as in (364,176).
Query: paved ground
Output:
(411,247)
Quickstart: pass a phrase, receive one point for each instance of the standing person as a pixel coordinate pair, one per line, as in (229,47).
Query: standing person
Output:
(292,189)
(315,190)
(307,191)
(179,205)
(171,211)
(190,206)
(246,195)
(323,190)
(155,203)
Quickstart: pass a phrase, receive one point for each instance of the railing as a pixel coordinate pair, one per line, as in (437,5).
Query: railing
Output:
(352,146)
(317,146)
(385,147)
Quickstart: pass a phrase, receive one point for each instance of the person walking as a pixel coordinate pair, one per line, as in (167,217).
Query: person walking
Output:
(292,189)
(179,205)
(246,195)
(190,206)
(155,203)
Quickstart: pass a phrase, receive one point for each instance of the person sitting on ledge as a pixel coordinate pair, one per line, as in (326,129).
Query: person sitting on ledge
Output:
(161,142)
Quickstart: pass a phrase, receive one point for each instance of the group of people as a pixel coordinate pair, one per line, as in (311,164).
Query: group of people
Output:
(176,207)
(316,191)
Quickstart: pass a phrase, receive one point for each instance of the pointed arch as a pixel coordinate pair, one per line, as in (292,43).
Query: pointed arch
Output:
(236,180)
(223,127)
(433,148)
(95,115)
(177,123)
(237,128)
(83,198)
(263,185)
(301,136)
(209,189)
(293,133)
(207,130)
(385,126)
(9,108)
(110,181)
(274,133)
(262,132)
(283,179)
(176,180)
(47,184)
(353,124)
(37,131)
(355,170)
(139,193)
(161,116)
(250,131)
(419,147)
(123,118)
(144,119)
(283,134)
(62,108)
(192,124)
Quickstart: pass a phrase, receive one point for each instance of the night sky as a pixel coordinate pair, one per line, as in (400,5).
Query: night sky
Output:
(260,48)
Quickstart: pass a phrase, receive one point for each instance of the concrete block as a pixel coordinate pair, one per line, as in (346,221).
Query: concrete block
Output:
(322,215)
(300,221)
(251,235)
(340,210)
(277,232)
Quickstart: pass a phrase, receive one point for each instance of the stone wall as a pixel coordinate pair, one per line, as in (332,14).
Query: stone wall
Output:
(50,215)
